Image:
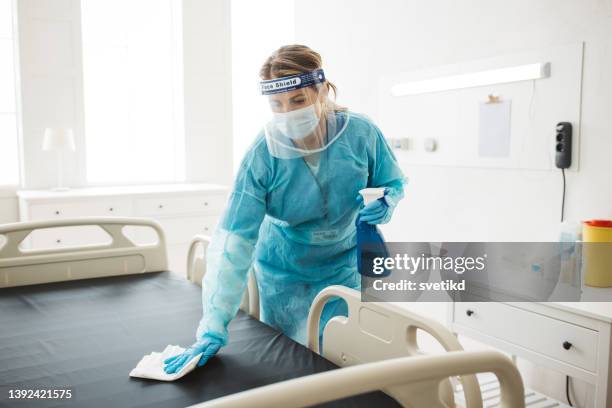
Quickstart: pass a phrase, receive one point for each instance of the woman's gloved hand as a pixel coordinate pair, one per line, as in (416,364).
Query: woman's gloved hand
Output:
(377,212)
(209,345)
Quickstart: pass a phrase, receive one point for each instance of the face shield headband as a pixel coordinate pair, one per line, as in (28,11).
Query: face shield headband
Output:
(291,82)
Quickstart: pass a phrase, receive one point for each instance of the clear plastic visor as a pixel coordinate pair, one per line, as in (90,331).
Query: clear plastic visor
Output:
(299,122)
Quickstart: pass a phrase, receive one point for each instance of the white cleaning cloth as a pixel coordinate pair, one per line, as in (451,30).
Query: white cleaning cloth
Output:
(152,365)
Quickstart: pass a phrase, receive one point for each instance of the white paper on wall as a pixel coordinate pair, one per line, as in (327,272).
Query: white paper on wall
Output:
(494,129)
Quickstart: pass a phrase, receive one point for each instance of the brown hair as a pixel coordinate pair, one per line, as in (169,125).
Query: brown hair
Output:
(296,59)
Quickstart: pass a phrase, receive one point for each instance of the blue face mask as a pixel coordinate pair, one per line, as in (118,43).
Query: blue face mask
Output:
(297,124)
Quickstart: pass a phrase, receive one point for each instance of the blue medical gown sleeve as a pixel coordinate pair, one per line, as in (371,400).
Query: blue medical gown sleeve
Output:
(384,171)
(230,253)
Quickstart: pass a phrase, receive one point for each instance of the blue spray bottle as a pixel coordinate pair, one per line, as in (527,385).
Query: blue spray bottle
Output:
(370,241)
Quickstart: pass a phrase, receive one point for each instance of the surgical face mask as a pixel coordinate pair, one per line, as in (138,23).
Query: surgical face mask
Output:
(297,124)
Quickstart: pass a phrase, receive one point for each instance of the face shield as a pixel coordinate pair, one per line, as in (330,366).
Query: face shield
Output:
(299,123)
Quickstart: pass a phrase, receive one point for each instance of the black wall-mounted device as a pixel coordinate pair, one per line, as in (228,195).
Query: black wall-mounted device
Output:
(563,145)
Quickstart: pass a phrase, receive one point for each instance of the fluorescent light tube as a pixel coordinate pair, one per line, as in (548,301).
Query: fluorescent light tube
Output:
(473,79)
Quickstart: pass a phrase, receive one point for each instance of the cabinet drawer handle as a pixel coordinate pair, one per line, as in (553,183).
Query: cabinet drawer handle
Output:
(161,206)
(469,312)
(59,241)
(205,203)
(57,212)
(567,345)
(205,228)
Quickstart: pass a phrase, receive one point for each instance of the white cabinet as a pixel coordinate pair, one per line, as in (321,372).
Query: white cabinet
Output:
(572,338)
(562,341)
(67,236)
(196,204)
(58,209)
(179,227)
(183,210)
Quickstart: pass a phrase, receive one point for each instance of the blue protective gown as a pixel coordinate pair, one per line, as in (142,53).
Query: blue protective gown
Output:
(296,229)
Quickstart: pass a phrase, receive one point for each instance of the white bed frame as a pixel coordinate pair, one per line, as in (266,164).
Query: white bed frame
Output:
(376,345)
(121,256)
(379,338)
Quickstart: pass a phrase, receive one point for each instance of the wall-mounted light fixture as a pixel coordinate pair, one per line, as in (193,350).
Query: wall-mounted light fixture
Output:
(473,79)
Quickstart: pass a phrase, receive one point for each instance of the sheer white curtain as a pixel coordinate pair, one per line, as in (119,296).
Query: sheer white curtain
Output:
(132,68)
(258,28)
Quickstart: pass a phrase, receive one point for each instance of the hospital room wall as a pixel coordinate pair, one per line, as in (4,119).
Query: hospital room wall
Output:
(363,40)
(360,40)
(51,92)
(207,87)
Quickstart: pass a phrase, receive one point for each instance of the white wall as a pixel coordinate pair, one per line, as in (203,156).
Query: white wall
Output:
(360,40)
(252,44)
(208,90)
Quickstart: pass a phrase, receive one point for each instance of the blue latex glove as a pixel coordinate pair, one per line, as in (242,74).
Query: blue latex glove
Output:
(209,345)
(377,212)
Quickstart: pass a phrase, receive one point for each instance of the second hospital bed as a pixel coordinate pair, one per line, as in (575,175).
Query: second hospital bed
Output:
(81,318)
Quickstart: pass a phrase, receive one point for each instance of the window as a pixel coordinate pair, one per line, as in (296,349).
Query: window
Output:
(132,74)
(9,158)
(258,28)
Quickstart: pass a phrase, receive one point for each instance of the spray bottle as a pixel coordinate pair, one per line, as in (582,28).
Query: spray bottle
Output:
(370,241)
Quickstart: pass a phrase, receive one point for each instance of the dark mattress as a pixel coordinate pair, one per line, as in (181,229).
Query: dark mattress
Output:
(87,335)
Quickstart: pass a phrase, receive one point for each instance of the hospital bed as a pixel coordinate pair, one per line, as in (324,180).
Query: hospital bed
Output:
(80,318)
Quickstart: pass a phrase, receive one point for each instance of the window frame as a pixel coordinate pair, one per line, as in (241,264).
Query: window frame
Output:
(10,190)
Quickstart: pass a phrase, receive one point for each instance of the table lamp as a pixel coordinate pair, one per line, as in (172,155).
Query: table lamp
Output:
(59,140)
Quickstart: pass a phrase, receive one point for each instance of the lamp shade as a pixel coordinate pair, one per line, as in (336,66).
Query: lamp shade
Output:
(58,139)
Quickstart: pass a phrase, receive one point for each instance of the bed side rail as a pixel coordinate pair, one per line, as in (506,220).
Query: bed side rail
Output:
(376,331)
(121,256)
(196,269)
(399,372)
